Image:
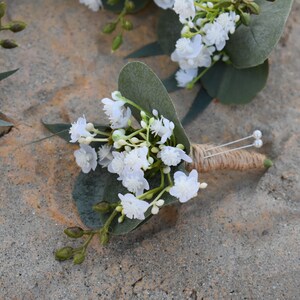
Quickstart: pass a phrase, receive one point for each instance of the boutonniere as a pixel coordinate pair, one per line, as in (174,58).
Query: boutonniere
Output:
(140,162)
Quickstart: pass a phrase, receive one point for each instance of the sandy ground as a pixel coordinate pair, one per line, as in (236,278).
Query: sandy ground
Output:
(239,240)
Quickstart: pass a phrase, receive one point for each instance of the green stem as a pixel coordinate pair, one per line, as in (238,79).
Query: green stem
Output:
(192,83)
(109,220)
(101,132)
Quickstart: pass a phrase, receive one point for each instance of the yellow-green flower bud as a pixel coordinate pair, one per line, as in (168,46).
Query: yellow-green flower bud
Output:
(129,6)
(254,7)
(117,42)
(78,258)
(109,28)
(2,9)
(16,26)
(102,207)
(245,18)
(64,253)
(127,25)
(74,232)
(8,44)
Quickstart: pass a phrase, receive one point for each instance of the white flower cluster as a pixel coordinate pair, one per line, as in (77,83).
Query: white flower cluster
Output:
(202,37)
(93,5)
(133,153)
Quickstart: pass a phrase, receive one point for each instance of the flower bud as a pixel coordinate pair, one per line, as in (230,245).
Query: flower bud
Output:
(109,28)
(78,258)
(203,185)
(117,42)
(127,25)
(16,26)
(2,9)
(129,6)
(151,160)
(180,146)
(143,124)
(121,219)
(64,253)
(254,7)
(119,208)
(166,170)
(134,140)
(160,202)
(245,18)
(102,207)
(90,127)
(74,232)
(104,237)
(154,150)
(143,114)
(118,134)
(8,44)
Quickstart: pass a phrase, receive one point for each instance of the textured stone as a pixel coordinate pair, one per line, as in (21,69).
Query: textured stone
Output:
(239,240)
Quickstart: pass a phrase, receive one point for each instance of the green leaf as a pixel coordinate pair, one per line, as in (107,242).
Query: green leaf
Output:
(5,124)
(235,86)
(168,30)
(4,75)
(251,45)
(99,186)
(152,49)
(117,8)
(61,130)
(171,83)
(88,191)
(139,83)
(201,101)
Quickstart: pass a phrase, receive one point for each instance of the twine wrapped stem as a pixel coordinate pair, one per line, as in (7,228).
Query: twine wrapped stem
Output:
(237,160)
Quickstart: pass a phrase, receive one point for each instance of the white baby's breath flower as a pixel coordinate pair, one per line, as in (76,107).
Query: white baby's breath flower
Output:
(137,159)
(117,113)
(191,53)
(185,9)
(135,182)
(105,155)
(78,130)
(227,21)
(94,5)
(163,128)
(117,164)
(184,77)
(215,35)
(185,187)
(86,158)
(133,208)
(172,156)
(164,4)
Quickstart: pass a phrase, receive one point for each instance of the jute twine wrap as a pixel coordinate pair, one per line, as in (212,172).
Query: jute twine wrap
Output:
(236,160)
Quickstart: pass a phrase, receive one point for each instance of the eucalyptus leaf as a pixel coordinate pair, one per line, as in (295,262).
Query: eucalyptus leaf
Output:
(117,8)
(251,45)
(99,186)
(201,101)
(4,75)
(88,191)
(235,86)
(139,83)
(5,124)
(61,130)
(152,49)
(168,30)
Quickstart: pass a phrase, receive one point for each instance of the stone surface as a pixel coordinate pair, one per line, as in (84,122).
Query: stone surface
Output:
(239,240)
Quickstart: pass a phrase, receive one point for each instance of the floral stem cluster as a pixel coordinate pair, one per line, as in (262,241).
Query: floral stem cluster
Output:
(13,26)
(207,26)
(138,157)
